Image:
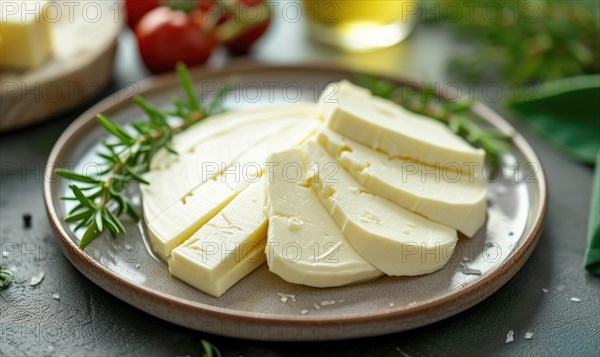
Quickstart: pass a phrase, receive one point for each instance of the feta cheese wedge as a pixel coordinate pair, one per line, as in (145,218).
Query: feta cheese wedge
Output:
(392,239)
(304,245)
(385,126)
(184,217)
(453,198)
(205,150)
(227,247)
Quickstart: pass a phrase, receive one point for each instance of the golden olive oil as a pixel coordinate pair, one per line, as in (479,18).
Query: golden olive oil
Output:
(359,25)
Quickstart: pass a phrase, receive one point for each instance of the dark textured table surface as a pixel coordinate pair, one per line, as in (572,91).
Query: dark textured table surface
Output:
(86,320)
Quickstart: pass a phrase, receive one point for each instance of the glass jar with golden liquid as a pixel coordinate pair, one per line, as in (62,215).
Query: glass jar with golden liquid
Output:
(360,25)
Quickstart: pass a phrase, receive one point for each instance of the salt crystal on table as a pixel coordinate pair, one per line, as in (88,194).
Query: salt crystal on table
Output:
(286,297)
(545,290)
(36,279)
(469,271)
(55,296)
(510,336)
(528,335)
(574,299)
(304,312)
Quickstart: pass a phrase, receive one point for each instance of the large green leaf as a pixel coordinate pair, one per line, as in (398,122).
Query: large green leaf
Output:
(592,257)
(567,112)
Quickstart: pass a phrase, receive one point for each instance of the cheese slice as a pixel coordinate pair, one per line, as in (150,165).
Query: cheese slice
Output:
(205,150)
(185,266)
(304,244)
(450,197)
(385,126)
(228,247)
(187,215)
(25,34)
(392,239)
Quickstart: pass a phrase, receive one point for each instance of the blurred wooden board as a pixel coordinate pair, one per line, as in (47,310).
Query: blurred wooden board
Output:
(84,35)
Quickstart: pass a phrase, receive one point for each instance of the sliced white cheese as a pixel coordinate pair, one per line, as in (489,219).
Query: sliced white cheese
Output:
(385,126)
(394,240)
(226,248)
(185,266)
(450,197)
(224,124)
(304,244)
(206,149)
(184,217)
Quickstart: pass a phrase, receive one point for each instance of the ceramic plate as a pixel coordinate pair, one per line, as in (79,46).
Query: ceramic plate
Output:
(252,309)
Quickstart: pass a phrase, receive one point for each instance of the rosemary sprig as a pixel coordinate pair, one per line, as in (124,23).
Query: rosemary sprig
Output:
(456,115)
(6,278)
(100,200)
(524,41)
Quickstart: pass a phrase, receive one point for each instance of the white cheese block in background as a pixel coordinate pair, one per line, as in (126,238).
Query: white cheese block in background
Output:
(40,86)
(304,244)
(205,149)
(449,197)
(393,239)
(225,249)
(25,34)
(383,125)
(185,216)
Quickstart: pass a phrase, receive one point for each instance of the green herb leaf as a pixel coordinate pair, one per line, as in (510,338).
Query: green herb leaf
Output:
(98,220)
(75,217)
(209,350)
(135,175)
(188,86)
(90,234)
(81,197)
(114,129)
(6,278)
(567,112)
(75,177)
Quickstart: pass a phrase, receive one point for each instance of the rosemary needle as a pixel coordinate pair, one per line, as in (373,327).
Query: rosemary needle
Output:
(209,350)
(6,277)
